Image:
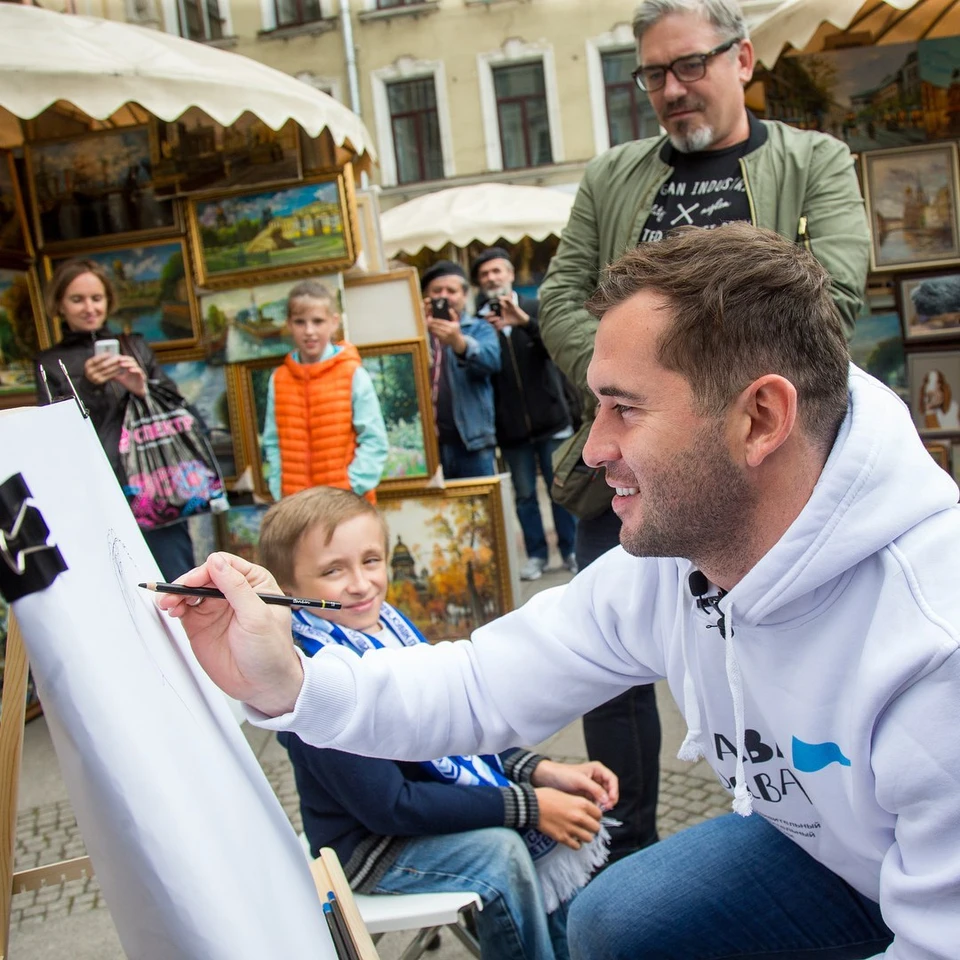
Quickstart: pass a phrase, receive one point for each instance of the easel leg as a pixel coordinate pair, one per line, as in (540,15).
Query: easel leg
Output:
(11,747)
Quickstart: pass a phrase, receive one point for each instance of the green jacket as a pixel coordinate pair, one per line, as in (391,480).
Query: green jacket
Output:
(801,184)
(796,174)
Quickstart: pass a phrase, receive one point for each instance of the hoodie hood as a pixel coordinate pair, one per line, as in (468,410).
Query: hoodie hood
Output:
(878,482)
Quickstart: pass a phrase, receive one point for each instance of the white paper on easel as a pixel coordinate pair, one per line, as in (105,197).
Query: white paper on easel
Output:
(194,853)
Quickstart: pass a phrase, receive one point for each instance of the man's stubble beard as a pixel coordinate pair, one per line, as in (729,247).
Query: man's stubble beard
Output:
(699,508)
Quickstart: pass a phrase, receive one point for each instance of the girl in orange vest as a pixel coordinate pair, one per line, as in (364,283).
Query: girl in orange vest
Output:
(323,423)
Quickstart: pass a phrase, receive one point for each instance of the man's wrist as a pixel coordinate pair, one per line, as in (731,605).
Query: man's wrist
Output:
(282,697)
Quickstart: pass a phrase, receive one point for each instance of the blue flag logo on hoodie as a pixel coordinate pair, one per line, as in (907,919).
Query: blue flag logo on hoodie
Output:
(811,757)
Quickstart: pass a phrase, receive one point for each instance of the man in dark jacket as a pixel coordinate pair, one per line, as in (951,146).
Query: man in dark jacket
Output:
(532,416)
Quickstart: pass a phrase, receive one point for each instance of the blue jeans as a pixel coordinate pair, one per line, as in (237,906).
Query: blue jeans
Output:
(522,461)
(733,887)
(495,864)
(459,463)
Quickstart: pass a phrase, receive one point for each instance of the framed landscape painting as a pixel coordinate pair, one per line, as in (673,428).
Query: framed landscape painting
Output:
(14,234)
(287,231)
(930,305)
(212,392)
(877,347)
(398,372)
(250,323)
(95,187)
(238,530)
(911,197)
(447,557)
(154,294)
(194,153)
(22,334)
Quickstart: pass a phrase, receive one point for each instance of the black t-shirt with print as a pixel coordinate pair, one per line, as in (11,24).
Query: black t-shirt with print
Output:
(705,190)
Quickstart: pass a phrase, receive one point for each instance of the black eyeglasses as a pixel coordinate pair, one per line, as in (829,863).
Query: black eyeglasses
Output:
(685,69)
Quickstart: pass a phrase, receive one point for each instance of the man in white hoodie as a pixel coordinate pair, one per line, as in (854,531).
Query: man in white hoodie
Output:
(789,559)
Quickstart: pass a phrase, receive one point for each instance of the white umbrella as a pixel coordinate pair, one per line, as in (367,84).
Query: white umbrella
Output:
(485,212)
(101,66)
(804,24)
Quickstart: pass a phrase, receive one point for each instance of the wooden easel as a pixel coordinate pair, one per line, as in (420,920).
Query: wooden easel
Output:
(327,872)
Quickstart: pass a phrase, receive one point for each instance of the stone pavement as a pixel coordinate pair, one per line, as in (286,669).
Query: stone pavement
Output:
(70,920)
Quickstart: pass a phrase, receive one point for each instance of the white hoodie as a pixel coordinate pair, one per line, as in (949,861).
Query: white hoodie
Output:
(842,664)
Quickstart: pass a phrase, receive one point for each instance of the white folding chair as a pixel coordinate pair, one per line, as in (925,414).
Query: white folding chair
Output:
(424,912)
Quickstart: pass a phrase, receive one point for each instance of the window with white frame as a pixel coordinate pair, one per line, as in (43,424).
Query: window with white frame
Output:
(628,111)
(415,129)
(521,97)
(391,4)
(520,104)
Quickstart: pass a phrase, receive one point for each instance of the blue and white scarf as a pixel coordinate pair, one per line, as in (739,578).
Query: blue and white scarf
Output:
(562,870)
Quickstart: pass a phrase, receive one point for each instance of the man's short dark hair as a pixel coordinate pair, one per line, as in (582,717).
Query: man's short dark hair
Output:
(746,302)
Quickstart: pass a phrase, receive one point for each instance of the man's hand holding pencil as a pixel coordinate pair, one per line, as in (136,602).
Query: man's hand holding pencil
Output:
(243,644)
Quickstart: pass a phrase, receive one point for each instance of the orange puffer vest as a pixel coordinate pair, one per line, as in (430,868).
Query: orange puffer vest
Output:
(314,413)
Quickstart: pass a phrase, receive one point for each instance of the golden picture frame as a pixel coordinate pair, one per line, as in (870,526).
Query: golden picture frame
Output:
(251,380)
(97,187)
(447,556)
(400,376)
(911,196)
(154,288)
(295,230)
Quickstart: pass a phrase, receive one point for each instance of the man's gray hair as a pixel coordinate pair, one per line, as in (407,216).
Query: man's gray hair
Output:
(725,15)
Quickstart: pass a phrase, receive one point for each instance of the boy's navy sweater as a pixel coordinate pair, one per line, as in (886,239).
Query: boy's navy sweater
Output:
(368,809)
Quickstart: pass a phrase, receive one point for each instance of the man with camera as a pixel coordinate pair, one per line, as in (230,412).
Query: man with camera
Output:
(464,355)
(532,416)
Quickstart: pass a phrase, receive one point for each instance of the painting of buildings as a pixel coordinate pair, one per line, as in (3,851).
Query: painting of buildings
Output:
(940,86)
(447,558)
(869,97)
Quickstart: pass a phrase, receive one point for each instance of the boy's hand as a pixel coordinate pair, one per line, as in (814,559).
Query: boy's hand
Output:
(570,820)
(591,780)
(243,644)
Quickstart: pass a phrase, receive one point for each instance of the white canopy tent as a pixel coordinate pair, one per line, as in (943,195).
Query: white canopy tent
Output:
(807,24)
(485,212)
(119,73)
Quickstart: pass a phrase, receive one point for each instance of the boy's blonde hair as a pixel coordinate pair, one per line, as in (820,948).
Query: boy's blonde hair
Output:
(314,290)
(290,519)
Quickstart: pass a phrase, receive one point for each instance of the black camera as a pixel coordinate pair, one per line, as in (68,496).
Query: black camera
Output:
(440,308)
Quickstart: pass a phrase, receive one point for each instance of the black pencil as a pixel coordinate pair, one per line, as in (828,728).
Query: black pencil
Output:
(339,946)
(277,599)
(352,952)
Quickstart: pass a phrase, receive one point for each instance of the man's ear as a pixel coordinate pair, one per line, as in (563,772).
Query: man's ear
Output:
(764,417)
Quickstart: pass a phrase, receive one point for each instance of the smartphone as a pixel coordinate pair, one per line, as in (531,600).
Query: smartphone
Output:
(440,308)
(106,346)
(494,308)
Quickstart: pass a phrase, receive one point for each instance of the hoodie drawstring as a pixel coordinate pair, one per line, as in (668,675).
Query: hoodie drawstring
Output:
(691,749)
(742,801)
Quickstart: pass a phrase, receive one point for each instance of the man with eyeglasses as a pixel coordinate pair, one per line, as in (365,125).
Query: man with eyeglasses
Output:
(716,164)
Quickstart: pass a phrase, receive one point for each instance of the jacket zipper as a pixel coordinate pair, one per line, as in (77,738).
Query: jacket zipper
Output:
(748,192)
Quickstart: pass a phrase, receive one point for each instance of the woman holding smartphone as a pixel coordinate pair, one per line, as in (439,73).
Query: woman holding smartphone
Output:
(81,295)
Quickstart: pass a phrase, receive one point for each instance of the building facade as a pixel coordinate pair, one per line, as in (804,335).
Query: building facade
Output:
(454,91)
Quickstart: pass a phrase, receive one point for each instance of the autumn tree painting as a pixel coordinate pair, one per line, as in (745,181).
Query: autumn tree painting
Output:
(444,563)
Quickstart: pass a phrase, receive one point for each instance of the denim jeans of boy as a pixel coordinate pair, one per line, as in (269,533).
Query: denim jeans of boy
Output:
(495,864)
(522,461)
(733,887)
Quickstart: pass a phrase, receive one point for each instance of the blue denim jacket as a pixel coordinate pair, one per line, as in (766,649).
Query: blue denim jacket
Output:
(470,384)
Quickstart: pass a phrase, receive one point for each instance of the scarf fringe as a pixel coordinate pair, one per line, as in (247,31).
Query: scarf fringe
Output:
(563,871)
